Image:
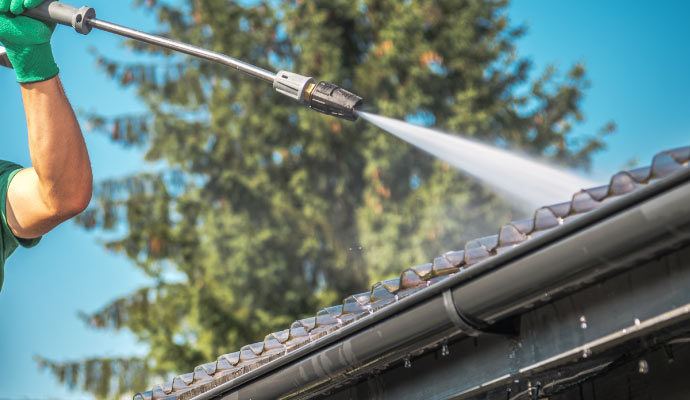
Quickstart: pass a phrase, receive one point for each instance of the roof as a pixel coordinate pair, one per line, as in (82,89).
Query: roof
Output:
(329,324)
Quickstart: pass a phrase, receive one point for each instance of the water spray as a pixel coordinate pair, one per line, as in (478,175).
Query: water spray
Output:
(525,181)
(323,97)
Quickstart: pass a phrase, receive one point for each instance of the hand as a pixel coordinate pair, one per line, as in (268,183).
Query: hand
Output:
(17,7)
(27,41)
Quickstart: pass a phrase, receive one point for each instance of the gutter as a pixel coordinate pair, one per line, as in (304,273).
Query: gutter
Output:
(640,225)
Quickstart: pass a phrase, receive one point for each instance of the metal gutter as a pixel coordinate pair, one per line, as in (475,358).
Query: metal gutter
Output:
(653,218)
(587,255)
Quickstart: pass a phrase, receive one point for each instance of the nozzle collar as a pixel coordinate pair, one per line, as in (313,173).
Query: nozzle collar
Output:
(292,85)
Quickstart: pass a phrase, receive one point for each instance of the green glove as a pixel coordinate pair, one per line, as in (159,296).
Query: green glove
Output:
(27,41)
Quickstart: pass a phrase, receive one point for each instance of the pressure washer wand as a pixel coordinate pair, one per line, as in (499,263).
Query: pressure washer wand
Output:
(323,97)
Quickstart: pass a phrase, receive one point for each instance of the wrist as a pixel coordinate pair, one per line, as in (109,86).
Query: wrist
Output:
(33,63)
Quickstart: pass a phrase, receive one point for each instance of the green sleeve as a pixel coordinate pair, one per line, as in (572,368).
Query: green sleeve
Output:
(8,242)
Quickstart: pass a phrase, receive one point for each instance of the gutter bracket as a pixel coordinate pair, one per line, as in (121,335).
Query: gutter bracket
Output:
(472,327)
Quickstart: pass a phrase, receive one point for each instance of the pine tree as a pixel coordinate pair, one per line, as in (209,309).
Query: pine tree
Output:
(271,211)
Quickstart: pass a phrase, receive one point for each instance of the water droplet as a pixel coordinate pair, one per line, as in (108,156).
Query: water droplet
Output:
(642,367)
(408,363)
(583,322)
(637,321)
(534,390)
(586,353)
(445,350)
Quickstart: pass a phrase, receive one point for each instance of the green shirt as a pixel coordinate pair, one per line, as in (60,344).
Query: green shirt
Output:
(8,242)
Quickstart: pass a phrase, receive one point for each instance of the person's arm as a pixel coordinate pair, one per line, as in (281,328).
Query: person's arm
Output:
(59,185)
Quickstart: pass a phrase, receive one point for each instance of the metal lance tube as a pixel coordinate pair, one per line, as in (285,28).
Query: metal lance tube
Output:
(247,68)
(323,97)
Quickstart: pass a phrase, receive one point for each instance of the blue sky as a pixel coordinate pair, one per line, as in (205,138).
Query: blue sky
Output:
(637,59)
(636,55)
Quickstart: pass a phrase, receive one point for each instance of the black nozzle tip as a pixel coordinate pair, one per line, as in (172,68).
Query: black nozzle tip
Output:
(330,99)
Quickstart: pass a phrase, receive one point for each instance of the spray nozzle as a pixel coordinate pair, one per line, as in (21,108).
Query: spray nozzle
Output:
(323,97)
(332,100)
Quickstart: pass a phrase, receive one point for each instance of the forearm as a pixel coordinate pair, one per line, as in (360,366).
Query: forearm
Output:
(58,152)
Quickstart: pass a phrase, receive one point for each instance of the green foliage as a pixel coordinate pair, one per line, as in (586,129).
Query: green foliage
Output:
(270,211)
(104,377)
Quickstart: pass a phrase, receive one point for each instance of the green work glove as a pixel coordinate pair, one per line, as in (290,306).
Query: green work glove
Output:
(27,41)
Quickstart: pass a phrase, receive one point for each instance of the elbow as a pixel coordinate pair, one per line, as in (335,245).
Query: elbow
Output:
(73,202)
(73,206)
(82,198)
(80,202)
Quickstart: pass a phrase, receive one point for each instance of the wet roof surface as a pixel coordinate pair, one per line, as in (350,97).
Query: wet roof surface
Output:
(305,331)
